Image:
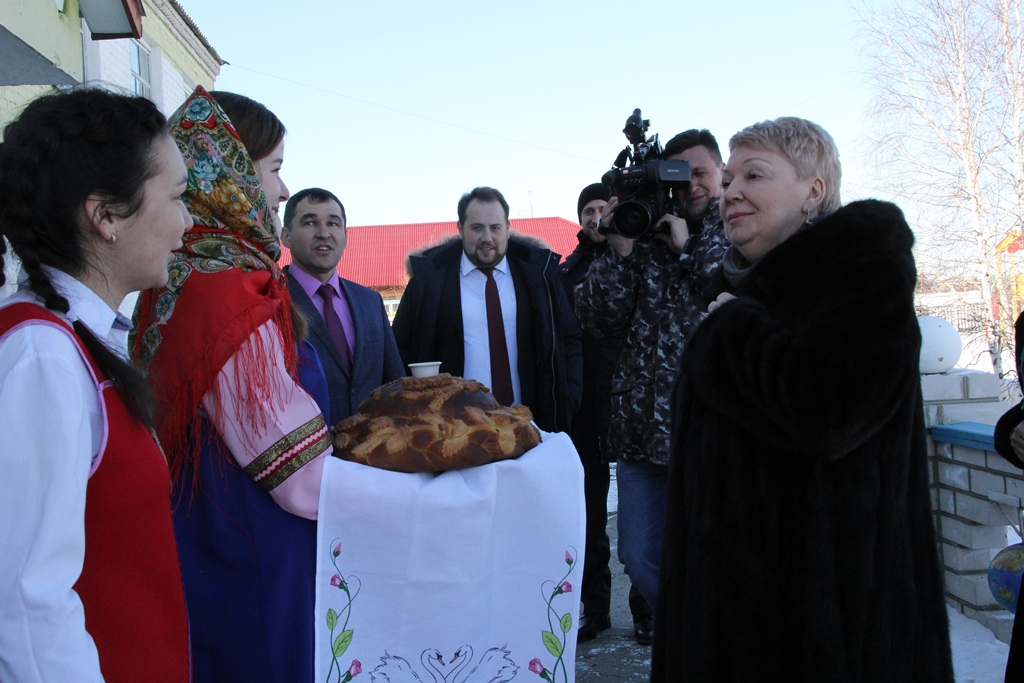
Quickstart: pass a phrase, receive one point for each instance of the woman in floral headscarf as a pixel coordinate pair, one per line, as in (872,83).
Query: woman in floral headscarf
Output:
(244,439)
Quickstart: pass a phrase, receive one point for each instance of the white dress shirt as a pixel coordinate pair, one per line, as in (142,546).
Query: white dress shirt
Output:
(52,429)
(474,322)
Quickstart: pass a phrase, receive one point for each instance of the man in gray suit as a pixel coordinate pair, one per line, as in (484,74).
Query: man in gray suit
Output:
(348,325)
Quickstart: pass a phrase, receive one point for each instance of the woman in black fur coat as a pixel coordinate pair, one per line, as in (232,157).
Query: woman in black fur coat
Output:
(799,543)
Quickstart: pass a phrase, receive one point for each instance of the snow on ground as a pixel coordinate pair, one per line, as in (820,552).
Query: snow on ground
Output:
(978,657)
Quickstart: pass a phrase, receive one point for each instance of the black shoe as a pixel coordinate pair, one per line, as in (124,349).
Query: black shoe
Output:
(591,625)
(643,630)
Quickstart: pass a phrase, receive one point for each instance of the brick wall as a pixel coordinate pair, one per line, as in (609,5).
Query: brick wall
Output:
(976,494)
(172,65)
(174,87)
(115,67)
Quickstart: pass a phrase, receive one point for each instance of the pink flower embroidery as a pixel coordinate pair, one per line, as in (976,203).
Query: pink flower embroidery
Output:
(337,550)
(536,667)
(336,580)
(355,669)
(568,558)
(566,587)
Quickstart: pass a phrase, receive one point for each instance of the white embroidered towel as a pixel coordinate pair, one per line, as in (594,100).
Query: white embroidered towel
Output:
(469,576)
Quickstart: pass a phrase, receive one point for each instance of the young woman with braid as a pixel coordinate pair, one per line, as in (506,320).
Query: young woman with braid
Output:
(90,586)
(241,421)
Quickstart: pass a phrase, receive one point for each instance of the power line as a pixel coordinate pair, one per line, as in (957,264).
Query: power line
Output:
(417,116)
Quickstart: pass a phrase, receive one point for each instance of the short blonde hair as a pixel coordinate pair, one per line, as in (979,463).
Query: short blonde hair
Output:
(808,147)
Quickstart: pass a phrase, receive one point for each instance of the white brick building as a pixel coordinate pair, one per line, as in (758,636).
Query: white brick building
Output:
(165,64)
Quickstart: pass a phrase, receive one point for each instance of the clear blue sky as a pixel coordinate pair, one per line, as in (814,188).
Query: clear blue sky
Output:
(400,107)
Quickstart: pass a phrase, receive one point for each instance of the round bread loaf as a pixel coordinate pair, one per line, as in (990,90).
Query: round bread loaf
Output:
(432,424)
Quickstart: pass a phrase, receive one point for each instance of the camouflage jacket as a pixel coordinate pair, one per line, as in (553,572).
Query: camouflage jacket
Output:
(657,300)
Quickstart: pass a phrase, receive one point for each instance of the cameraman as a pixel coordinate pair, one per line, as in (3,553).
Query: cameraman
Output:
(654,290)
(589,434)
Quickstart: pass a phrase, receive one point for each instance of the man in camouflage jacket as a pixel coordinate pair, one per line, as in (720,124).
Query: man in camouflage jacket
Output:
(655,290)
(589,434)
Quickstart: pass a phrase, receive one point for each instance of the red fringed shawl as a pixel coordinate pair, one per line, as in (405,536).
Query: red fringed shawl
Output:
(224,283)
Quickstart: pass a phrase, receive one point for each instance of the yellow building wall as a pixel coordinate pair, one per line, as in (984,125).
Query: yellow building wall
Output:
(174,51)
(55,35)
(13,99)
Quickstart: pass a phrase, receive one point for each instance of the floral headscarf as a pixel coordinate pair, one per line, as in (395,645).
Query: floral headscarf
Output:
(223,192)
(224,282)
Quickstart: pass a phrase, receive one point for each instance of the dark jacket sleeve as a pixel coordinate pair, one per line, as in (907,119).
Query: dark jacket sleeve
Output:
(1014,416)
(1004,428)
(393,365)
(573,344)
(404,326)
(607,294)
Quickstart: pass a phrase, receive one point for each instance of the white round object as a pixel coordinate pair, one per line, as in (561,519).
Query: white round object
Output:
(940,345)
(427,369)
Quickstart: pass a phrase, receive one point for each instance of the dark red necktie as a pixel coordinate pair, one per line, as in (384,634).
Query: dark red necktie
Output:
(501,375)
(334,326)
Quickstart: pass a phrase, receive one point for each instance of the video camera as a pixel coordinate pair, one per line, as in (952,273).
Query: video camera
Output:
(644,187)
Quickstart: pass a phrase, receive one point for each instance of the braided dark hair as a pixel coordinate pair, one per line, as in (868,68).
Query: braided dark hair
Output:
(61,150)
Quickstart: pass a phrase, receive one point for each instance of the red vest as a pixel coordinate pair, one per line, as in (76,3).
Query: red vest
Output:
(130,584)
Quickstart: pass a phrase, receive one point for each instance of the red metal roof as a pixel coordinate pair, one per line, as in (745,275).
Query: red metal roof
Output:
(375,254)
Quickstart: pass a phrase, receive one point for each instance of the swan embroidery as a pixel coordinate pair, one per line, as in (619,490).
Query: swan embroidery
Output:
(555,644)
(495,666)
(340,643)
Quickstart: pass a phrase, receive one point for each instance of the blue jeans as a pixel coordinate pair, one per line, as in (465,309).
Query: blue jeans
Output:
(641,519)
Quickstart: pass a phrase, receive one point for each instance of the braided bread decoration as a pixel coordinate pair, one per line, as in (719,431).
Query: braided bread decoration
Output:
(432,424)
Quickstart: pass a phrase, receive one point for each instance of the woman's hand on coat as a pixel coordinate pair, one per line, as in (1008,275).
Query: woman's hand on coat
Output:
(722,298)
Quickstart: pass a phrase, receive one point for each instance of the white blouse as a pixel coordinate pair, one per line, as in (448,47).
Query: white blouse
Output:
(51,429)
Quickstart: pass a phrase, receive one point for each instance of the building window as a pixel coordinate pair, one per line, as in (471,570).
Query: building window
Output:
(140,68)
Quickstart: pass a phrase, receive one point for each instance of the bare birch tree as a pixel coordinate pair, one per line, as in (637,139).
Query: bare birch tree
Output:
(949,104)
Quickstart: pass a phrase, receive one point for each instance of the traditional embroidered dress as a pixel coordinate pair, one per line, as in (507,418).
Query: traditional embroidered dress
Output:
(91,588)
(245,440)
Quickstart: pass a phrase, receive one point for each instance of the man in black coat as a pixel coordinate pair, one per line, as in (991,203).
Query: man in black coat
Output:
(366,356)
(443,317)
(590,436)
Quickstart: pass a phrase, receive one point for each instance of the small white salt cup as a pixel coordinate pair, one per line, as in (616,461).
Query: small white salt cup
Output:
(427,369)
